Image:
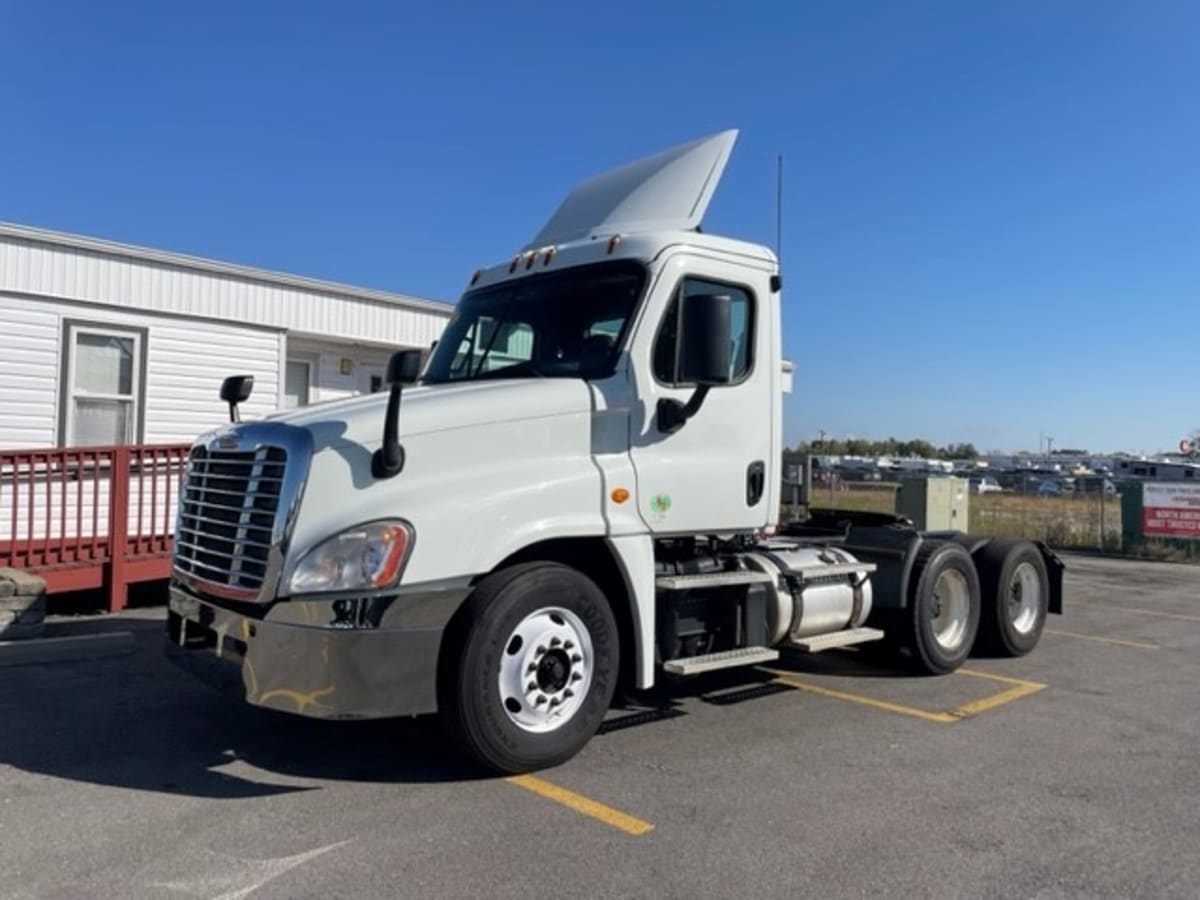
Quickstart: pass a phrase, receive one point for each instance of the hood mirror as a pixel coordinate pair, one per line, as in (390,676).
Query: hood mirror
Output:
(403,368)
(234,390)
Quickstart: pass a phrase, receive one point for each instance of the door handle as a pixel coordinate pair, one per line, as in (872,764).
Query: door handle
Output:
(756,479)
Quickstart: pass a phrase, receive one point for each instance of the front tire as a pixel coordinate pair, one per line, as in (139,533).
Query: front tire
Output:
(533,667)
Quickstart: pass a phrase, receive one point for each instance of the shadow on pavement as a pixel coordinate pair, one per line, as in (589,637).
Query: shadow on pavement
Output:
(141,722)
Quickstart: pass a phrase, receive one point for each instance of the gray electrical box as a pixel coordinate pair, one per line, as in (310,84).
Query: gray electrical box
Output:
(934,504)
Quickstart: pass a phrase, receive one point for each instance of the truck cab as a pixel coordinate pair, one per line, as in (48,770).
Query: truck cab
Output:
(580,486)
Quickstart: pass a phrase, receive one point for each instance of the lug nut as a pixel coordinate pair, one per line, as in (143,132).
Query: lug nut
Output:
(575,676)
(569,645)
(532,668)
(541,651)
(575,657)
(541,698)
(555,642)
(568,693)
(554,701)
(532,686)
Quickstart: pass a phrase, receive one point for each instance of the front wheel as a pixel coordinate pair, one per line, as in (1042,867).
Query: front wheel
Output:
(535,669)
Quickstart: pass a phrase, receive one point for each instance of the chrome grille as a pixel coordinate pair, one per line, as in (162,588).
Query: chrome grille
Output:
(228,513)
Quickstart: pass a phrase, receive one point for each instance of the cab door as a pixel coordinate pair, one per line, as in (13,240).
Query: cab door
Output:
(712,473)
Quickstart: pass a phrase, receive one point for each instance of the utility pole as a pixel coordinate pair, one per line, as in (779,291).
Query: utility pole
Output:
(1049,445)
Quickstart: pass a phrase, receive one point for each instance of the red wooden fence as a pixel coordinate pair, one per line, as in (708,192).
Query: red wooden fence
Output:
(61,508)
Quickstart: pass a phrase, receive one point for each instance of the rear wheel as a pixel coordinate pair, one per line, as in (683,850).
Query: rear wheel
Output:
(1016,595)
(938,628)
(532,667)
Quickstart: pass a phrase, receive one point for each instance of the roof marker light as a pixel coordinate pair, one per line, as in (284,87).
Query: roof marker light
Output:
(612,243)
(512,267)
(549,256)
(529,259)
(475,277)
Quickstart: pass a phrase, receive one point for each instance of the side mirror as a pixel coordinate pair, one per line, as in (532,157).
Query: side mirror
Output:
(234,390)
(705,355)
(403,368)
(706,333)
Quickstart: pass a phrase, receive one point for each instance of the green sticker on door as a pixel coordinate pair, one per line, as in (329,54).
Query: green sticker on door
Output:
(660,505)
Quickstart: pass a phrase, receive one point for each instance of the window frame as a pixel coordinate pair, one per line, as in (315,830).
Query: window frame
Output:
(66,388)
(751,325)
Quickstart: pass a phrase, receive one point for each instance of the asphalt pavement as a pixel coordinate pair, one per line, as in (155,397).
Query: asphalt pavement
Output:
(1073,772)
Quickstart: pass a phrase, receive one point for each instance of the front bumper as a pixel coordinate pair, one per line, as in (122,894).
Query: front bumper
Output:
(345,658)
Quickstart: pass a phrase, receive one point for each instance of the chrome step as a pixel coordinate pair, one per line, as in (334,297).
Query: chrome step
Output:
(846,638)
(726,659)
(833,571)
(711,579)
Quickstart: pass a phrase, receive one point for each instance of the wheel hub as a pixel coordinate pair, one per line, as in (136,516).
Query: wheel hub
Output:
(1024,598)
(553,671)
(950,609)
(545,669)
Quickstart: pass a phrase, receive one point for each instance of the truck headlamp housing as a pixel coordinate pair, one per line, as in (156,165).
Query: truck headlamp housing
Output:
(365,557)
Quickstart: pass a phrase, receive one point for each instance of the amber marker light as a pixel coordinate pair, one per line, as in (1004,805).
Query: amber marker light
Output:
(612,243)
(620,495)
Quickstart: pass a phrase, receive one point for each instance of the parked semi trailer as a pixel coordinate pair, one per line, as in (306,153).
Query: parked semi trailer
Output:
(579,487)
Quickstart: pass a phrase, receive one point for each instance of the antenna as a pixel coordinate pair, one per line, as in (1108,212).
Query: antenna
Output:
(779,210)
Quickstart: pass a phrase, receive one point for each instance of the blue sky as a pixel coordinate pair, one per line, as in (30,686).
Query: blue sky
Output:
(992,214)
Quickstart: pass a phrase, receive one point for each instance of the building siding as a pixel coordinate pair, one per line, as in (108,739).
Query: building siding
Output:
(185,363)
(64,268)
(28,373)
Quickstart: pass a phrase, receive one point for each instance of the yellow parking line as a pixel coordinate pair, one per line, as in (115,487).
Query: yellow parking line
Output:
(1020,688)
(1103,640)
(581,804)
(1003,679)
(1140,611)
(928,715)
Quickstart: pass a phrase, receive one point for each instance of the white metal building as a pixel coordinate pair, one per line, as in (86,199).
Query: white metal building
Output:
(109,343)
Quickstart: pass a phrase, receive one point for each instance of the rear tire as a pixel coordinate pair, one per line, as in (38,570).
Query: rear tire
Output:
(938,628)
(531,667)
(1016,595)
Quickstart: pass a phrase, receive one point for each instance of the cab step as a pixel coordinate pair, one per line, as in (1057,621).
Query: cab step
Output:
(846,638)
(711,580)
(726,659)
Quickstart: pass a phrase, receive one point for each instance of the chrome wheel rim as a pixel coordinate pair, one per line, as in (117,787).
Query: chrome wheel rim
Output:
(545,670)
(951,609)
(1024,598)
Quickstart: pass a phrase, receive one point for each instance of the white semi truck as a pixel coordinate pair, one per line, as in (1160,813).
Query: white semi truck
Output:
(579,488)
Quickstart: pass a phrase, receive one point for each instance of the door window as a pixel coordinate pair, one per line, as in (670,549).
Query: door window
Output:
(666,346)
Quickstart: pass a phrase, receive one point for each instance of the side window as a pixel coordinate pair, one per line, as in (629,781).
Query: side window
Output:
(666,347)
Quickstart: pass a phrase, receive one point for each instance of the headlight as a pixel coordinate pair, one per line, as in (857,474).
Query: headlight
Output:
(367,556)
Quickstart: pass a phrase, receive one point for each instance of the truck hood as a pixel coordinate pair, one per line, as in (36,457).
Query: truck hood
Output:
(441,407)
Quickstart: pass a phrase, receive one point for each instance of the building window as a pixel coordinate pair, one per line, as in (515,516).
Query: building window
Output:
(102,388)
(296,381)
(741,315)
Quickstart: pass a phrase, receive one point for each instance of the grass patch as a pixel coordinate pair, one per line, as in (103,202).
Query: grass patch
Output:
(1070,522)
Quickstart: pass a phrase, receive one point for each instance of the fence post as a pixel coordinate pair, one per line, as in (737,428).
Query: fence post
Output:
(118,528)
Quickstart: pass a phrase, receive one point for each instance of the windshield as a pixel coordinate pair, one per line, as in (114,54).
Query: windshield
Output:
(568,324)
